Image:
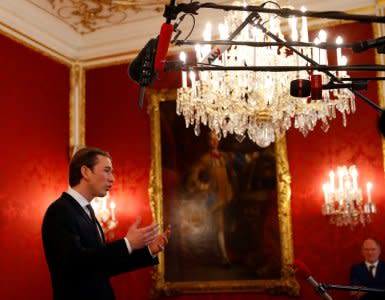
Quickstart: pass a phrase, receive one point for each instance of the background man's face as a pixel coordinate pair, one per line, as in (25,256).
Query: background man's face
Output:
(371,251)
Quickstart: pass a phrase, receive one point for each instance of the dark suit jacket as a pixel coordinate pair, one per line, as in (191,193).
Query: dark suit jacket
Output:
(80,264)
(360,276)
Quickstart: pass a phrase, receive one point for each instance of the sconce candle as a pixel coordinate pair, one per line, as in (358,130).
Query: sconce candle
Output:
(105,213)
(182,57)
(112,206)
(369,191)
(346,205)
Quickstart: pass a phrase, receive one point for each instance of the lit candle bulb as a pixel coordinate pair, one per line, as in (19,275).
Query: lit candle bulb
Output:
(304,31)
(207,37)
(331,176)
(344,62)
(339,41)
(293,26)
(340,172)
(182,57)
(104,203)
(316,51)
(112,206)
(354,173)
(369,191)
(192,78)
(322,35)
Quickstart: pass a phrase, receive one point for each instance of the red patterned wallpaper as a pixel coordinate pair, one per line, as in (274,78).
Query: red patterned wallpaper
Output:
(33,163)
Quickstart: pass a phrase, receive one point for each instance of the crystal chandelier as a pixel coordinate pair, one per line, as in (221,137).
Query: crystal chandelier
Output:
(104,209)
(344,204)
(258,104)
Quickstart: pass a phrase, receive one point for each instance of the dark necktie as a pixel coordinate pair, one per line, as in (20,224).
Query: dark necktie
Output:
(97,227)
(371,270)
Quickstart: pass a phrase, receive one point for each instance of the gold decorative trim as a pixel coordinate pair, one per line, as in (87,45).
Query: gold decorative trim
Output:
(77,108)
(287,284)
(87,16)
(379,30)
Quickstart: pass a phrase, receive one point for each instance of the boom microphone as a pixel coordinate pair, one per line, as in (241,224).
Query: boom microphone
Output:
(304,272)
(365,45)
(305,87)
(164,38)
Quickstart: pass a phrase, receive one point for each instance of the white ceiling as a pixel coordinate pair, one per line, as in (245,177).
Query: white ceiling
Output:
(91,30)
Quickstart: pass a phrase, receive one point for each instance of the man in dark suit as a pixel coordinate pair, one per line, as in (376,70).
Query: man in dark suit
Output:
(79,259)
(369,273)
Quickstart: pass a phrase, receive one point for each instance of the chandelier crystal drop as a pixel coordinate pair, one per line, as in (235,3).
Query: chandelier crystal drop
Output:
(258,104)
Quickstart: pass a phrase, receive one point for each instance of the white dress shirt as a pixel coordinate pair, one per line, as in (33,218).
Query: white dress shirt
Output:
(374,269)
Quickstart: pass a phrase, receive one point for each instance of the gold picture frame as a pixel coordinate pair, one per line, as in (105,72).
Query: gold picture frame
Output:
(284,284)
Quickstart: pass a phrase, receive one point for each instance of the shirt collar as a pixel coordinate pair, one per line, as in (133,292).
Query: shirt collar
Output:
(371,264)
(78,197)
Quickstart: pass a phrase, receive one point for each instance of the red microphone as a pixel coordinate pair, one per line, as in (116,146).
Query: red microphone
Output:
(316,86)
(304,272)
(162,47)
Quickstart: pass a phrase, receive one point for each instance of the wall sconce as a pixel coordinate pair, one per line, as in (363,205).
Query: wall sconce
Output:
(344,204)
(104,209)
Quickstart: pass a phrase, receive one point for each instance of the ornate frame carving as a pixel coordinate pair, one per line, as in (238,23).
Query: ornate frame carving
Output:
(287,283)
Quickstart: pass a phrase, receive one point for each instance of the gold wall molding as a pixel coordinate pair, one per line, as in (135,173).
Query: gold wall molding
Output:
(286,284)
(77,108)
(379,31)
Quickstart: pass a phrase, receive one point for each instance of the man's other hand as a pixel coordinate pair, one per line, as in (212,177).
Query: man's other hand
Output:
(160,242)
(140,237)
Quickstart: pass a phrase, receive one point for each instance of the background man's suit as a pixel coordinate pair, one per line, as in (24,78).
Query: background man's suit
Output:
(79,262)
(360,276)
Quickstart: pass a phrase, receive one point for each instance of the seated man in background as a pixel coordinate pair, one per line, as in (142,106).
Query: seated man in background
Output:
(369,273)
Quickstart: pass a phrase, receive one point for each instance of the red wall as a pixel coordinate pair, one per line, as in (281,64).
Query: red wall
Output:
(33,163)
(327,250)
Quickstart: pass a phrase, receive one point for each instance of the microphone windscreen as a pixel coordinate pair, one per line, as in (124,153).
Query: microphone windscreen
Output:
(141,69)
(134,69)
(302,270)
(300,88)
(164,40)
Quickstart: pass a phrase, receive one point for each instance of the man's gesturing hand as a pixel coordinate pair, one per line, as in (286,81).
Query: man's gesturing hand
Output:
(140,237)
(160,242)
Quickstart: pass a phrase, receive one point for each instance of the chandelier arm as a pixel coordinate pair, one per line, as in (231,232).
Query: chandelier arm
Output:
(286,12)
(218,51)
(177,66)
(362,78)
(327,69)
(264,44)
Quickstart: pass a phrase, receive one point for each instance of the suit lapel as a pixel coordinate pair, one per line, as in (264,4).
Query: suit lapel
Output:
(77,207)
(101,231)
(85,216)
(379,270)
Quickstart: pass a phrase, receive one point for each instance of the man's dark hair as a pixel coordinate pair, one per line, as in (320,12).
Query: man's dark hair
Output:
(84,157)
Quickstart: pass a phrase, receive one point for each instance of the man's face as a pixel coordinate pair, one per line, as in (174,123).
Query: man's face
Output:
(100,178)
(371,251)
